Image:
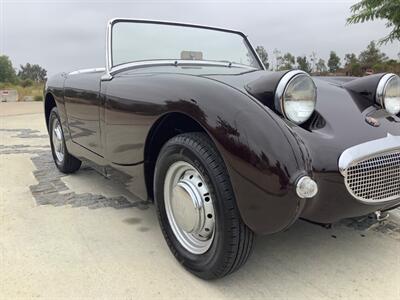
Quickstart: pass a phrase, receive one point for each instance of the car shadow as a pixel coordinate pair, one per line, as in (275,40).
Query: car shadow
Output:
(309,260)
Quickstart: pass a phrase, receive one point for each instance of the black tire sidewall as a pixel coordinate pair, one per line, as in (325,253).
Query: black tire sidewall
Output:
(212,260)
(54,115)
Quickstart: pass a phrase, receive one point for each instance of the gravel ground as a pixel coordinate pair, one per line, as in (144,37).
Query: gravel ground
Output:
(83,236)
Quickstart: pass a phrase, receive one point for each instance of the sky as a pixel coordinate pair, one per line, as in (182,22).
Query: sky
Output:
(66,35)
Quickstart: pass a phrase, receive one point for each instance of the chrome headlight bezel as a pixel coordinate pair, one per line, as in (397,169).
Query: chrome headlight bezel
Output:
(381,91)
(281,90)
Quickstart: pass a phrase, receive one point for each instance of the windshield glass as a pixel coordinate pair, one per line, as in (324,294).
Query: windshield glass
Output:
(133,41)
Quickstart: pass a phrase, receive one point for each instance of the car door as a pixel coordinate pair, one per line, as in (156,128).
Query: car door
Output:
(127,118)
(83,103)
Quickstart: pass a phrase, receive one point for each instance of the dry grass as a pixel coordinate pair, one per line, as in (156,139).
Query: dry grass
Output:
(35,91)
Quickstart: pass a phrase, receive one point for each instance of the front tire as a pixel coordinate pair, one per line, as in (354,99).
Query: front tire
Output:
(197,209)
(64,161)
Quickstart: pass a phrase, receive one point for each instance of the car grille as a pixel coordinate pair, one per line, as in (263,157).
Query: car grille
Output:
(376,178)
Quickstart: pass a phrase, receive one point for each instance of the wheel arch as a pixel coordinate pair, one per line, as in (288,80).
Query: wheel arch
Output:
(166,127)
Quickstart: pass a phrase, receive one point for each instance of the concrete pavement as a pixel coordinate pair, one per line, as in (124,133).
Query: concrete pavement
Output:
(83,236)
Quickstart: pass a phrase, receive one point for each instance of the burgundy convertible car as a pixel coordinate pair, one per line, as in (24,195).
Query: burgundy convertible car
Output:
(187,116)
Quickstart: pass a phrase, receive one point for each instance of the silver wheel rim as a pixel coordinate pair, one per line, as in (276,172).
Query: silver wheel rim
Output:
(58,140)
(189,207)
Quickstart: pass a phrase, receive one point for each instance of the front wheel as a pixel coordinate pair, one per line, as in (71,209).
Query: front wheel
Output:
(197,208)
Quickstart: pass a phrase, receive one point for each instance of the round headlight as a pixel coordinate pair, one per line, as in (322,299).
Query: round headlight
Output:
(388,93)
(296,96)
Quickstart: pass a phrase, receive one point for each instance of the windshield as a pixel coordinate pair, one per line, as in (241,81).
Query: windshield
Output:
(133,41)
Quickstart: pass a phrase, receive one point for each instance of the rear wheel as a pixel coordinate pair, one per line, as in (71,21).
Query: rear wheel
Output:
(197,208)
(64,161)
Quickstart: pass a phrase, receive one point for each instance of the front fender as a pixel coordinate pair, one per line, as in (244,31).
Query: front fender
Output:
(264,157)
(262,154)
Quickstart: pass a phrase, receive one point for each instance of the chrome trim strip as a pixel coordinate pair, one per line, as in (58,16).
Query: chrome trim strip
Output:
(282,86)
(360,182)
(93,70)
(380,90)
(108,76)
(355,154)
(111,70)
(361,154)
(109,43)
(283,83)
(172,62)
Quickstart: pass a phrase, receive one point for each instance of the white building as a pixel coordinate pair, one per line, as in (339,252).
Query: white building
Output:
(8,95)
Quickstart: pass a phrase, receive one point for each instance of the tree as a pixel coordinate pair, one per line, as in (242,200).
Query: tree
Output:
(372,56)
(369,10)
(26,82)
(321,66)
(33,72)
(262,53)
(303,64)
(7,72)
(350,59)
(333,62)
(286,62)
(313,59)
(352,65)
(278,59)
(392,66)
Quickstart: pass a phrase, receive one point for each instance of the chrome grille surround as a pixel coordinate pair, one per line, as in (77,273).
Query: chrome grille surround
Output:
(376,178)
(372,170)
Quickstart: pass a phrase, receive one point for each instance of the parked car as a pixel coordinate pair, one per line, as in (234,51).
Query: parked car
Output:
(187,116)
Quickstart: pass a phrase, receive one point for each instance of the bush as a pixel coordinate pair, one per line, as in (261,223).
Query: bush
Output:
(38,98)
(26,83)
(356,70)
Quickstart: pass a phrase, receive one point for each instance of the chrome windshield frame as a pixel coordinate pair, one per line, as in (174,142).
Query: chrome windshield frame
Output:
(111,70)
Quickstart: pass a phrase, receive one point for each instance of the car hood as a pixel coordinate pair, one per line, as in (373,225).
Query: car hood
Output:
(342,114)
(337,106)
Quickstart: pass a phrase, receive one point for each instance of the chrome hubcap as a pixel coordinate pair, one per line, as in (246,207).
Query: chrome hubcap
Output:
(189,207)
(57,139)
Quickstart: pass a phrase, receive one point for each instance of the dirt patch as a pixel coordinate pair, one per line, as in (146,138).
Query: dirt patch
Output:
(25,133)
(51,190)
(369,223)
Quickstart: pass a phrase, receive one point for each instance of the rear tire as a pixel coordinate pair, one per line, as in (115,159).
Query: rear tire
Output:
(191,161)
(64,161)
